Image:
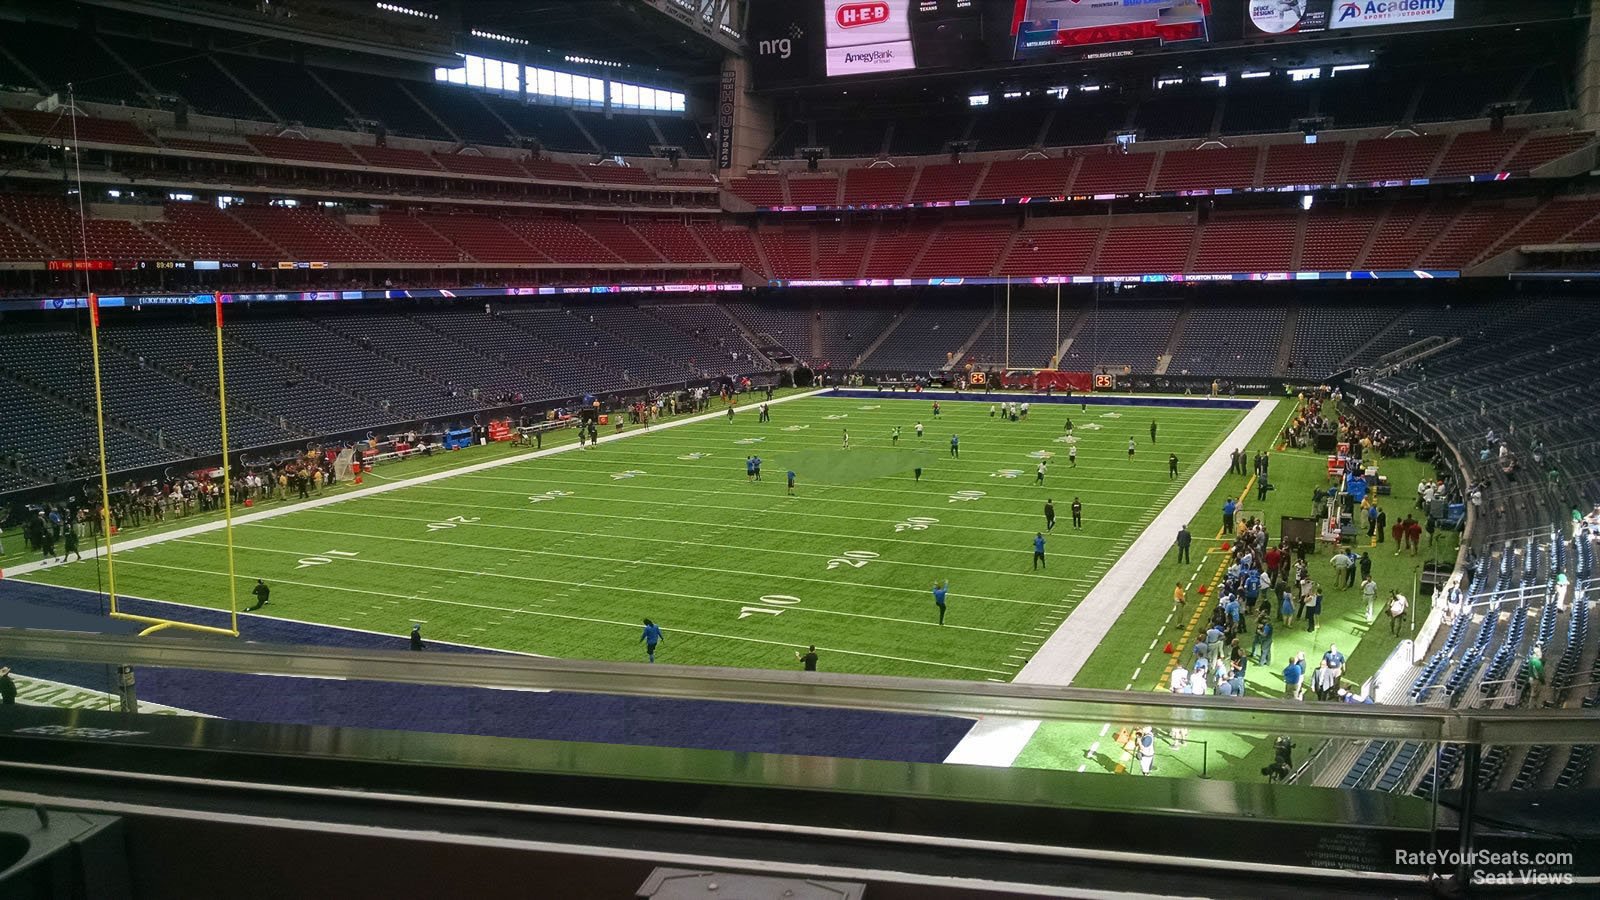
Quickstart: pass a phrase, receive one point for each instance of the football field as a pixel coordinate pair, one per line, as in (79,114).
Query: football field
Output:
(567,553)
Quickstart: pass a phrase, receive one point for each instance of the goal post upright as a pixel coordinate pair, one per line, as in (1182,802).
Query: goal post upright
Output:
(227,471)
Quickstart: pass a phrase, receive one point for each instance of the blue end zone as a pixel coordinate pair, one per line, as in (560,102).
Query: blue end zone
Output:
(946,396)
(455,710)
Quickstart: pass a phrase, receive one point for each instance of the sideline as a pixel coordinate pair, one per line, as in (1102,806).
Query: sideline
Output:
(998,741)
(318,503)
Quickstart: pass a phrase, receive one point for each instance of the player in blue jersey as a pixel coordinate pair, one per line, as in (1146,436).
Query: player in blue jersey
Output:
(939,591)
(650,638)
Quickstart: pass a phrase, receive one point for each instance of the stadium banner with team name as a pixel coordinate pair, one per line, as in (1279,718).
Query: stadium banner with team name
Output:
(725,99)
(1048,379)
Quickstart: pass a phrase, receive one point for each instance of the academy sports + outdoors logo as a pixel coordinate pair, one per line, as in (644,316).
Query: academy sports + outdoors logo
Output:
(855,15)
(1378,10)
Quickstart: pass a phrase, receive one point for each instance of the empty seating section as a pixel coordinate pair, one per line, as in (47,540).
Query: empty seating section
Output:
(1478,152)
(1263,106)
(447,362)
(1177,113)
(310,151)
(733,246)
(788,252)
(1365,99)
(674,241)
(44,433)
(952,181)
(1402,236)
(1326,336)
(1009,127)
(668,356)
(971,250)
(201,231)
(484,239)
(604,364)
(614,174)
(15,246)
(622,133)
(1303,164)
(880,184)
(841,251)
(477,164)
(1466,93)
(551,170)
(505,337)
(1386,159)
(288,90)
(711,327)
(178,71)
(1084,123)
(685,135)
(894,250)
(1032,343)
(54,223)
(338,360)
(1335,238)
(758,190)
(784,323)
(561,241)
(395,158)
(463,112)
(189,145)
(620,240)
(845,332)
(383,100)
(1026,178)
(403,237)
(1246,244)
(257,383)
(305,233)
(1230,339)
(1050,251)
(554,129)
(135,396)
(1232,167)
(852,137)
(1122,334)
(1107,173)
(1476,228)
(1141,250)
(89,129)
(1549,224)
(928,336)
(62,56)
(1539,149)
(924,135)
(814,190)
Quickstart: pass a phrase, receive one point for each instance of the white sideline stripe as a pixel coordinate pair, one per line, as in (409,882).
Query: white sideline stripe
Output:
(319,502)
(999,742)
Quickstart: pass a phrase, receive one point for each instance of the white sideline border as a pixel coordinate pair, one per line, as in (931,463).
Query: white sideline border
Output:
(247,518)
(998,741)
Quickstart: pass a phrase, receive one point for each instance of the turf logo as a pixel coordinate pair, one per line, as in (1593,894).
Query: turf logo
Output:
(1042,454)
(1006,473)
(837,416)
(547,496)
(1111,415)
(1091,426)
(967,496)
(855,559)
(868,407)
(631,473)
(915,523)
(691,457)
(749,440)
(795,427)
(1067,439)
(451,522)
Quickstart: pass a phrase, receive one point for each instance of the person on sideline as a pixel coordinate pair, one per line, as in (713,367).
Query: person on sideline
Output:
(650,638)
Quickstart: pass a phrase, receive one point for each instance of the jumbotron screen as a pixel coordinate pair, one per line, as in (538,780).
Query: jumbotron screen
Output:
(1052,27)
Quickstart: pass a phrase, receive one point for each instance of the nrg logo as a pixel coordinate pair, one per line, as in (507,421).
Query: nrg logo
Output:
(780,46)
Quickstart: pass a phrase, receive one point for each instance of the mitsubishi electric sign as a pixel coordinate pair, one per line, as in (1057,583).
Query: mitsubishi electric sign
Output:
(1279,17)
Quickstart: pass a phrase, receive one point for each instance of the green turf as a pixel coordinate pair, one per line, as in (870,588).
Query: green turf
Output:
(666,526)
(1123,652)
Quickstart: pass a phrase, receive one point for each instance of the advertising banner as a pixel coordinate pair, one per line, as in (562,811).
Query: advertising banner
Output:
(1265,18)
(866,36)
(726,95)
(1048,27)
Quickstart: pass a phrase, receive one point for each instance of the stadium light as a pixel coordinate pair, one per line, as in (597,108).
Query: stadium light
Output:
(978,100)
(491,36)
(406,11)
(1352,67)
(1254,74)
(1305,74)
(1307,201)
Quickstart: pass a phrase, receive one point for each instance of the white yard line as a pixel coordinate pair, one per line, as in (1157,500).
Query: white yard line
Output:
(289,509)
(998,742)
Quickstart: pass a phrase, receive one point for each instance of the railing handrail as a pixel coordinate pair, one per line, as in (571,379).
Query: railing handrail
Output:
(864,692)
